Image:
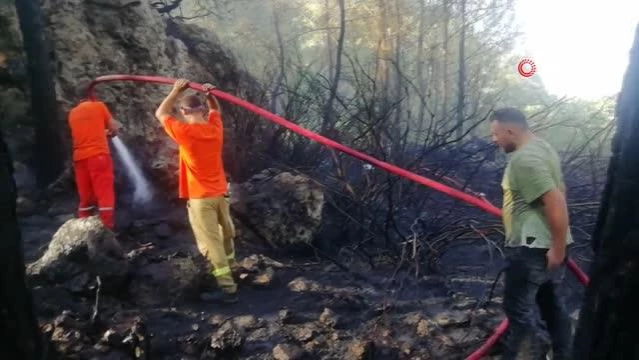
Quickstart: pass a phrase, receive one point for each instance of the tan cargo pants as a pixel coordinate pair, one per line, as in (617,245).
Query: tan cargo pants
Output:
(213,228)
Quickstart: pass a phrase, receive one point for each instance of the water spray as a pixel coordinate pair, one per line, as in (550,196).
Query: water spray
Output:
(142,187)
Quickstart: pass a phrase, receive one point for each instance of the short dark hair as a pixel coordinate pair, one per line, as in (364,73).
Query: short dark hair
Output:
(510,115)
(191,102)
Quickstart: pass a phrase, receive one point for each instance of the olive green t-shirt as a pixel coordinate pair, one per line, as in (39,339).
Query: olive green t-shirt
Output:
(532,171)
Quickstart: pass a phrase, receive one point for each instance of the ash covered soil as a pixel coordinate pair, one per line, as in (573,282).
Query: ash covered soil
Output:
(289,308)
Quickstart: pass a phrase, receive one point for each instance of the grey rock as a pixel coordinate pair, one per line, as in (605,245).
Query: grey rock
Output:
(257,262)
(287,352)
(360,350)
(81,246)
(111,338)
(330,318)
(301,284)
(286,316)
(285,209)
(423,328)
(305,332)
(227,339)
(247,322)
(452,318)
(265,278)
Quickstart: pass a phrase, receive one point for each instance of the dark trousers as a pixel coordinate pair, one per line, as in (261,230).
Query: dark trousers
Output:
(529,284)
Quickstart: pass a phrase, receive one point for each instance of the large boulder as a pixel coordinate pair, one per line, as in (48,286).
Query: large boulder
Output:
(281,208)
(79,251)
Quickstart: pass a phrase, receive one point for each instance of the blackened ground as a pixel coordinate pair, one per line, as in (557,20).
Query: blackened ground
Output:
(307,308)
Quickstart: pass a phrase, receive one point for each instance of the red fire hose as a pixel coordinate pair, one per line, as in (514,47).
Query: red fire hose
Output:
(457,194)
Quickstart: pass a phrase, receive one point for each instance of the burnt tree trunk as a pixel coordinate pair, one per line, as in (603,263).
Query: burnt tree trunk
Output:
(49,155)
(19,333)
(461,78)
(609,322)
(329,113)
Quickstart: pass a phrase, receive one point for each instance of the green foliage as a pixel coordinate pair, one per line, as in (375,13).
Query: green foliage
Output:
(397,99)
(384,36)
(579,123)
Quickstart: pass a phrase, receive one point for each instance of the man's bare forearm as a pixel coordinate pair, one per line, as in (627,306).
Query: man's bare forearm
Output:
(114,125)
(212,102)
(166,106)
(556,213)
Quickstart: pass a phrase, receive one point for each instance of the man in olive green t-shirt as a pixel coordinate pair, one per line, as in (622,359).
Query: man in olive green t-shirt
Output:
(535,217)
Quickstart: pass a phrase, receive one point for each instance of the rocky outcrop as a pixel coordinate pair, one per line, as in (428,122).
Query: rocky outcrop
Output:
(93,38)
(79,251)
(281,208)
(130,37)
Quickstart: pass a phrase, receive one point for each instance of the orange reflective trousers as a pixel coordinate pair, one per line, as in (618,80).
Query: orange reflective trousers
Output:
(94,180)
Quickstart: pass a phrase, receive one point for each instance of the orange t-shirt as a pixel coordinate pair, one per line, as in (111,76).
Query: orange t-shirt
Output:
(201,167)
(88,122)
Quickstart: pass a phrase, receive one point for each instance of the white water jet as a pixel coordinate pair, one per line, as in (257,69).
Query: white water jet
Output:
(142,188)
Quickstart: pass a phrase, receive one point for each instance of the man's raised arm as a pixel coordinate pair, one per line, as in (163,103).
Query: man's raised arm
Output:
(211,100)
(164,110)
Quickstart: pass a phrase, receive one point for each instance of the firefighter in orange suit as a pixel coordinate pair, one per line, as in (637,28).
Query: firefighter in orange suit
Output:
(91,122)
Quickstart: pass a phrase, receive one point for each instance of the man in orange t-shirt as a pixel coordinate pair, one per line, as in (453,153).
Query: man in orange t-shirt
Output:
(203,181)
(90,123)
